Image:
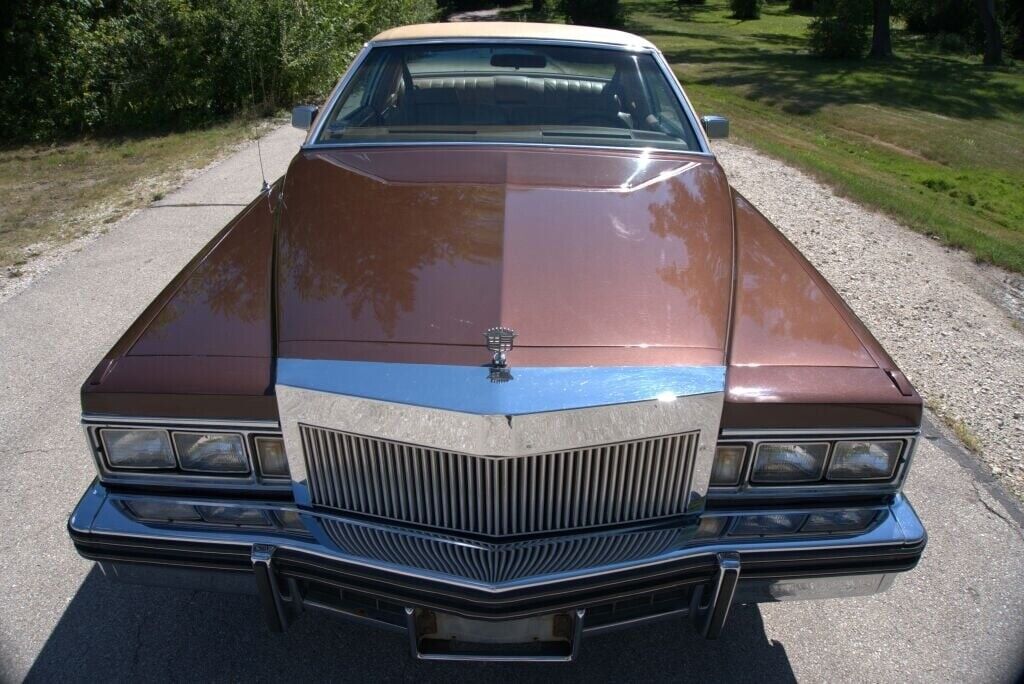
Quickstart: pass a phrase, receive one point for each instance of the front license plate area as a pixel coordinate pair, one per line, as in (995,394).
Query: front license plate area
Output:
(441,636)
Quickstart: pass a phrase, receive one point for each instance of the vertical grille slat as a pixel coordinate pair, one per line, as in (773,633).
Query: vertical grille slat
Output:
(585,487)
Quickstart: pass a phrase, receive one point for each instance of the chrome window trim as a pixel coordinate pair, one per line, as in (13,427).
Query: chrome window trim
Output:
(659,59)
(250,481)
(822,488)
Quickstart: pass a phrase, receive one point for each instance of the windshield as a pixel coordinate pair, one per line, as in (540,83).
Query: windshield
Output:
(510,93)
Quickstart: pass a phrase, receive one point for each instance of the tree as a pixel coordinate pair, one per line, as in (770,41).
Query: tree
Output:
(881,38)
(993,37)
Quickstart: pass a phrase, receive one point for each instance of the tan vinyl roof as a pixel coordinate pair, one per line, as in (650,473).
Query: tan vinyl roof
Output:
(513,30)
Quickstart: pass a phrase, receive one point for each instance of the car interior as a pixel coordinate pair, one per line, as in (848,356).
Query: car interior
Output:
(514,91)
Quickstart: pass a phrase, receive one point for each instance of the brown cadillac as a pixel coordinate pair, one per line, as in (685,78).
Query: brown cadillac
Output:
(502,361)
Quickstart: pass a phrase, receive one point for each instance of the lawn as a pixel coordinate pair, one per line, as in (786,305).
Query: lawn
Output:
(934,139)
(55,193)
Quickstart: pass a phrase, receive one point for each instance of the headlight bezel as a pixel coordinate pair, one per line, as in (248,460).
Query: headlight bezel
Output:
(178,476)
(750,440)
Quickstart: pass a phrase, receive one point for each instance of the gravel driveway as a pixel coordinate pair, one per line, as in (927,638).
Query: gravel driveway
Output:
(958,616)
(939,315)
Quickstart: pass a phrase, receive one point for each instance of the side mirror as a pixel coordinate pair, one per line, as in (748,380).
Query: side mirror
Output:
(304,115)
(715,126)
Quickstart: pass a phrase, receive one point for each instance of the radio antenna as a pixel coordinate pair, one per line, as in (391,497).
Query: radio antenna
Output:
(259,154)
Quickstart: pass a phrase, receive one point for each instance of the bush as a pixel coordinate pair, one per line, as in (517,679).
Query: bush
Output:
(801,5)
(746,9)
(951,42)
(932,17)
(73,66)
(841,29)
(607,13)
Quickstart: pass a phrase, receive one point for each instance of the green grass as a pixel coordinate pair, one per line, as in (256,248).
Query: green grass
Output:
(934,139)
(55,193)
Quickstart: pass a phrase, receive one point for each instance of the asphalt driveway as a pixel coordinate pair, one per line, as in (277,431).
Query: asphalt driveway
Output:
(959,616)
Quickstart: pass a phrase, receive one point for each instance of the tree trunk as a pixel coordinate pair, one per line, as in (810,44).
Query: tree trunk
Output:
(881,39)
(993,38)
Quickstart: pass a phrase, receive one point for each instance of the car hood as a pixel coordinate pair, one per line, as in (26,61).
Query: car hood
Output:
(592,257)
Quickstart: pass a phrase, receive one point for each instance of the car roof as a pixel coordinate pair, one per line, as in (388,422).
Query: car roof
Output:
(512,30)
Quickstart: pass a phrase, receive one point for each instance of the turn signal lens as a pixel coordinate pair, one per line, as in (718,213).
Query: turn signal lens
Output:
(211,453)
(839,521)
(785,463)
(144,449)
(727,466)
(864,460)
(234,515)
(272,458)
(161,511)
(773,523)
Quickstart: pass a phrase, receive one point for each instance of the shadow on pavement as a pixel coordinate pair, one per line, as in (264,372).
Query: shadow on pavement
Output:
(117,632)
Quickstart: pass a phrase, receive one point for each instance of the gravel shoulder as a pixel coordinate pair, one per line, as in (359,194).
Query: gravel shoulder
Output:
(950,324)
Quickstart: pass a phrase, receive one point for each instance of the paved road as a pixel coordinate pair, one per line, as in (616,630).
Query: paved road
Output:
(959,616)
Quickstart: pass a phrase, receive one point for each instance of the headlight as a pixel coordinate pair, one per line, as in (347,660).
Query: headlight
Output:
(864,460)
(271,455)
(211,453)
(784,463)
(728,465)
(144,449)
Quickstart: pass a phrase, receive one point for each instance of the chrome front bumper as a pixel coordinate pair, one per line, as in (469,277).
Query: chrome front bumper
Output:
(393,576)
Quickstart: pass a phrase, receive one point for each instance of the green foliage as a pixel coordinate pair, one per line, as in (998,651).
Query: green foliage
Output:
(840,28)
(593,12)
(71,66)
(801,5)
(932,17)
(746,9)
(942,19)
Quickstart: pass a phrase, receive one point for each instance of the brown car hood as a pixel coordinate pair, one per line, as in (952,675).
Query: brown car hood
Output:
(601,257)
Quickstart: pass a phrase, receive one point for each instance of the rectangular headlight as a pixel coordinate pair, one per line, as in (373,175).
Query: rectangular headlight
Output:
(727,466)
(864,460)
(143,448)
(211,453)
(271,455)
(785,463)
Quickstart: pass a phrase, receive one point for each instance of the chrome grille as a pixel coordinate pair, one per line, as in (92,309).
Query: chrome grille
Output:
(495,564)
(589,487)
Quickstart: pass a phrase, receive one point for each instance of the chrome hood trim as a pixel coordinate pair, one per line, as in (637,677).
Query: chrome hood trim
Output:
(468,389)
(458,408)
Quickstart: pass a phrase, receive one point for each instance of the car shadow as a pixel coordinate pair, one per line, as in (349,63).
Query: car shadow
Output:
(116,632)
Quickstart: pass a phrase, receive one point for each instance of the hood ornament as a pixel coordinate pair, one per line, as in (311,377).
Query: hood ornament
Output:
(500,342)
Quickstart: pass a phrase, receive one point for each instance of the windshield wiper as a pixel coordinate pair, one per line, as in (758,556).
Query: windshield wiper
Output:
(591,134)
(428,131)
